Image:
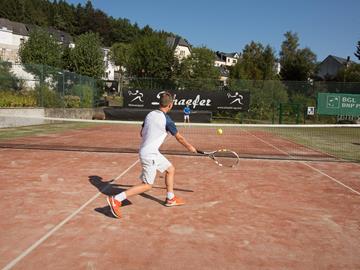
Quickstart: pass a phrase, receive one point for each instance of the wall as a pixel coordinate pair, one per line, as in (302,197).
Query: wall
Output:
(34,116)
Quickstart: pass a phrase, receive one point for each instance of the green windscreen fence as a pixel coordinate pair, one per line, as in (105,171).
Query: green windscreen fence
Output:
(338,104)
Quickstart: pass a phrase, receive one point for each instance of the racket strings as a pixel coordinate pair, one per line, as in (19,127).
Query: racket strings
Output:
(226,158)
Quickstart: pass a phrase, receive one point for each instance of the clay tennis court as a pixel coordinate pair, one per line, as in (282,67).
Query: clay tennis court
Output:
(266,213)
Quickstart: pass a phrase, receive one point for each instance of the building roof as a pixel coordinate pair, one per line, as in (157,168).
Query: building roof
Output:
(61,36)
(15,27)
(25,30)
(340,60)
(173,42)
(223,55)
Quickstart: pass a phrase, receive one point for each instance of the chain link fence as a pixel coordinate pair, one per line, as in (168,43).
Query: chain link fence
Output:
(270,101)
(44,86)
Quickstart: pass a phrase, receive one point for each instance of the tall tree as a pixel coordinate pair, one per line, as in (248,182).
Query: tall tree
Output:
(151,57)
(256,63)
(357,53)
(123,31)
(120,53)
(349,74)
(40,49)
(198,72)
(87,56)
(296,64)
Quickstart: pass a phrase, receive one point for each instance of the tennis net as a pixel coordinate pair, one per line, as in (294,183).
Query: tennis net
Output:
(288,142)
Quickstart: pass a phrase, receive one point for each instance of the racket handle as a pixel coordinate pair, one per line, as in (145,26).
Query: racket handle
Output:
(200,152)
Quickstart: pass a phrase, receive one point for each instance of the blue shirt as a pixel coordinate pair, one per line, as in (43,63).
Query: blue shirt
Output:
(187,111)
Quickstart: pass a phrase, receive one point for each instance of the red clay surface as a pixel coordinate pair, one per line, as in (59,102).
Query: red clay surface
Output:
(126,138)
(263,214)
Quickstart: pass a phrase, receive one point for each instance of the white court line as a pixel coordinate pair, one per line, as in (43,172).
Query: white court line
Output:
(62,223)
(273,146)
(313,168)
(332,178)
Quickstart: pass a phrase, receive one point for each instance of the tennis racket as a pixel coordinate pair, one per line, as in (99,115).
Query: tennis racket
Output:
(222,157)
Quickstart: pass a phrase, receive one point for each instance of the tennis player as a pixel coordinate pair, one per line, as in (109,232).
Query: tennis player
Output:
(187,112)
(154,131)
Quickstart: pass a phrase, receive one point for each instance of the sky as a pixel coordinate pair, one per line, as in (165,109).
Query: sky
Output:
(326,27)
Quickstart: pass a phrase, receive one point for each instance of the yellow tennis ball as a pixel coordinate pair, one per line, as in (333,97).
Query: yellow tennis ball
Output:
(219,131)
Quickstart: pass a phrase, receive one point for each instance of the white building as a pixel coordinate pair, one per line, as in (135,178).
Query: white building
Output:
(111,70)
(226,59)
(12,35)
(181,47)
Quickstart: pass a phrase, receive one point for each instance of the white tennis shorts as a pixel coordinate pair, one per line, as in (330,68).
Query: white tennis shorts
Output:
(151,165)
(186,117)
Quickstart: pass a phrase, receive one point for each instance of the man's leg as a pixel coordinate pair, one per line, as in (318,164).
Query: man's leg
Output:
(171,199)
(169,179)
(148,175)
(138,189)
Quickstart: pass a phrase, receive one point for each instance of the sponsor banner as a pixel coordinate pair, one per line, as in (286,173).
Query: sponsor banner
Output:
(197,100)
(338,104)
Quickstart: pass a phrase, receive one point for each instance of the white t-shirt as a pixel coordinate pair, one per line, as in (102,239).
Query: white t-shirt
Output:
(154,131)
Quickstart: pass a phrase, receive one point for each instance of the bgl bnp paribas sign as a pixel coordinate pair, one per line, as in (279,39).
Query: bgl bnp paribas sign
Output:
(197,100)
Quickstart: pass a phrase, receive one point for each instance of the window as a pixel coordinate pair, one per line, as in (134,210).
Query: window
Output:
(22,40)
(3,52)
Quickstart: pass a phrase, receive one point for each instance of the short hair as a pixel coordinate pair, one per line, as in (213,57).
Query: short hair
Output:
(165,99)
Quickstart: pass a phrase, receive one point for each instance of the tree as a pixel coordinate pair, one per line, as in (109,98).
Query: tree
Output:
(256,63)
(123,31)
(8,80)
(39,50)
(296,64)
(151,57)
(349,74)
(357,53)
(198,72)
(119,53)
(87,56)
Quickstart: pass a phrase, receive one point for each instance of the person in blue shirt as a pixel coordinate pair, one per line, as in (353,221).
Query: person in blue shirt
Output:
(154,130)
(187,113)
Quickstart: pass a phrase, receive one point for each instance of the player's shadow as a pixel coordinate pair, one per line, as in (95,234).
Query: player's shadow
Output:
(109,188)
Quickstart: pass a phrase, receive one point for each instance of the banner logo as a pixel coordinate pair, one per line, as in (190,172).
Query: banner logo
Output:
(237,98)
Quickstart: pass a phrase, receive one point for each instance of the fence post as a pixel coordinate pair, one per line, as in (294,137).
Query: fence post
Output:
(280,113)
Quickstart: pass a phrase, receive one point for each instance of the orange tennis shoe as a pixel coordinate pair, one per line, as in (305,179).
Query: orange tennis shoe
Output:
(176,201)
(114,206)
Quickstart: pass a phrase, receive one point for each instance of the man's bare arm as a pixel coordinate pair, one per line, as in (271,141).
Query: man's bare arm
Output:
(184,142)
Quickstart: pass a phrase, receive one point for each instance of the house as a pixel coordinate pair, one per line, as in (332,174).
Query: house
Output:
(331,65)
(226,59)
(111,70)
(181,47)
(13,34)
(223,61)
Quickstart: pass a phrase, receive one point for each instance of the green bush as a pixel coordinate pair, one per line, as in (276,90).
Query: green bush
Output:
(85,93)
(18,99)
(48,98)
(72,101)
